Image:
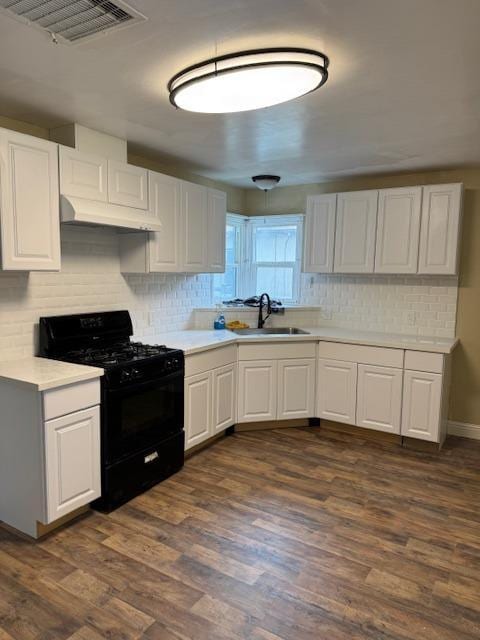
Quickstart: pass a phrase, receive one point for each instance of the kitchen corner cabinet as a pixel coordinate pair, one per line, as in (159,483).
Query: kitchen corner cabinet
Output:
(49,452)
(276,381)
(29,208)
(319,235)
(192,235)
(210,394)
(440,229)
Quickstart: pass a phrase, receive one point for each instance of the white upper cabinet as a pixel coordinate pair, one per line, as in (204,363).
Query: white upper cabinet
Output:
(217,224)
(398,230)
(319,234)
(195,227)
(127,185)
(29,211)
(165,245)
(440,229)
(355,232)
(83,175)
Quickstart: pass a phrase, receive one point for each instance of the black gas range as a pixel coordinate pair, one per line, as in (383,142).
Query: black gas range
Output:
(142,410)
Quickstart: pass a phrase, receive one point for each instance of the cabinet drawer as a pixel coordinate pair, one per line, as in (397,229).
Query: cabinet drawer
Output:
(277,351)
(383,357)
(70,398)
(208,360)
(422,361)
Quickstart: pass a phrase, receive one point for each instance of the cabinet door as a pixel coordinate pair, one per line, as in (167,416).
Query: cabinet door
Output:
(29,207)
(319,234)
(195,222)
(337,390)
(398,230)
(83,175)
(198,409)
(257,392)
(164,245)
(217,224)
(379,398)
(72,461)
(422,396)
(224,397)
(355,232)
(440,229)
(127,185)
(296,389)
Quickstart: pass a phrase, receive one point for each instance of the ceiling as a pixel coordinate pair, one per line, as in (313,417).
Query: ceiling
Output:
(403,92)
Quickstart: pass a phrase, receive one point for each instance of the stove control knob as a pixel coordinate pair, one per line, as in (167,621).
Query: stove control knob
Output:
(135,374)
(125,376)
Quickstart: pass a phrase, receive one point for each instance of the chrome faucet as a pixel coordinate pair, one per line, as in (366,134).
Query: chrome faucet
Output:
(261,319)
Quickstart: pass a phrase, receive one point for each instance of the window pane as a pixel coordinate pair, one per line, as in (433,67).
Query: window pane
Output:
(225,284)
(231,244)
(277,281)
(276,244)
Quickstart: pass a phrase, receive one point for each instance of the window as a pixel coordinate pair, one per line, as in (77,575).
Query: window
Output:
(263,254)
(226,285)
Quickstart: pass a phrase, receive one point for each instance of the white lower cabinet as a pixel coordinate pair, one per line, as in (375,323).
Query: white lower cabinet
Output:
(337,390)
(210,402)
(379,398)
(72,454)
(224,382)
(198,408)
(296,389)
(422,403)
(257,392)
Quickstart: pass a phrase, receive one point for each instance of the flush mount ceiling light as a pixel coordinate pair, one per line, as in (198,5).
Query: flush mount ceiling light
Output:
(248,80)
(266,183)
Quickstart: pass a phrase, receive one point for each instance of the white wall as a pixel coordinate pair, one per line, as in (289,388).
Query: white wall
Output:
(90,280)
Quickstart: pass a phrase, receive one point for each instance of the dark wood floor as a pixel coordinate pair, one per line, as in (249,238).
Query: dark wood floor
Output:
(291,534)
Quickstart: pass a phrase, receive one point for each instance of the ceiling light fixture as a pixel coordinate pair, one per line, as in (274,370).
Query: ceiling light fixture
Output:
(266,183)
(248,80)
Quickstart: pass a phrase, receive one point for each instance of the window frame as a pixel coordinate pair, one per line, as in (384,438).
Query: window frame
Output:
(246,265)
(252,265)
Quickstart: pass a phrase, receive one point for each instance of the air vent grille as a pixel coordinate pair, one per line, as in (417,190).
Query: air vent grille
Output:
(73,20)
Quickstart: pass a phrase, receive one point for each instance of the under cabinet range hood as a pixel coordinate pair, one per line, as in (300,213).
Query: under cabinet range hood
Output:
(82,211)
(97,185)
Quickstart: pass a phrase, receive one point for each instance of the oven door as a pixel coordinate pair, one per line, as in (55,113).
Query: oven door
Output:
(139,415)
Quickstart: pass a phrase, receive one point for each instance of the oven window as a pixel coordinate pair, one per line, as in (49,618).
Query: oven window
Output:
(136,418)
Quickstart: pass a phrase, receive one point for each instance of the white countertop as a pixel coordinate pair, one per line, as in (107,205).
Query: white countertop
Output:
(42,374)
(195,341)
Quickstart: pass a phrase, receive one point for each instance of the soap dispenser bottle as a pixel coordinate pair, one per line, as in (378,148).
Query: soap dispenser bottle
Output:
(219,322)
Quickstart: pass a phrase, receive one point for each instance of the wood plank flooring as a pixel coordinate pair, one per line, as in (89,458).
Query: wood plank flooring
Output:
(291,534)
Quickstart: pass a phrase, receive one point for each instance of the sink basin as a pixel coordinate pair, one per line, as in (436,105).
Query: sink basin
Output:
(271,331)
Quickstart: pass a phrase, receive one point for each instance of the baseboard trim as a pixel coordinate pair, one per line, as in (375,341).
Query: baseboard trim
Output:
(464,429)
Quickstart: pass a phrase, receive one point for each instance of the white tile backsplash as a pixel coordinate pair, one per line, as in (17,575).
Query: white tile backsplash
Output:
(90,280)
(397,304)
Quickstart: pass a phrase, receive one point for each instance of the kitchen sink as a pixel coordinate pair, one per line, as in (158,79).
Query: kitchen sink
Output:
(271,331)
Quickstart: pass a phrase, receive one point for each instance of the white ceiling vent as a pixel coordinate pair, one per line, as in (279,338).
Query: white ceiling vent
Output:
(73,20)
